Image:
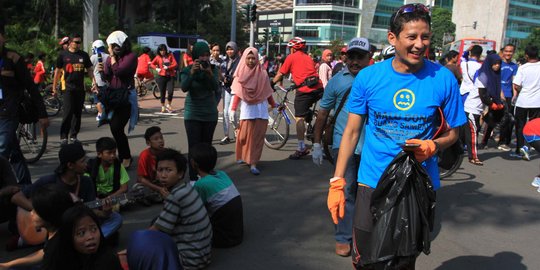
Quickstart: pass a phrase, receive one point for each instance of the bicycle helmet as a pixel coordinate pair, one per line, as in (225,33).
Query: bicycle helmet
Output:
(297,43)
(63,41)
(388,52)
(97,44)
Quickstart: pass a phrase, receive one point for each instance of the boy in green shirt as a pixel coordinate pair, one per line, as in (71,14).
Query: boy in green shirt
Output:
(110,178)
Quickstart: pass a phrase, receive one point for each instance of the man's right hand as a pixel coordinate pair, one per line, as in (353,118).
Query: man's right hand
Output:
(317,154)
(336,198)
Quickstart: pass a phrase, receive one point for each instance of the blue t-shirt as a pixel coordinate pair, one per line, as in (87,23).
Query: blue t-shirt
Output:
(508,70)
(333,94)
(399,107)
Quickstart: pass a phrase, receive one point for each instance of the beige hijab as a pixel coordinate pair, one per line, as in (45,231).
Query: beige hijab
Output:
(252,85)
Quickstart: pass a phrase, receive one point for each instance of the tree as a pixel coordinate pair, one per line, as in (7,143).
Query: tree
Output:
(532,39)
(441,26)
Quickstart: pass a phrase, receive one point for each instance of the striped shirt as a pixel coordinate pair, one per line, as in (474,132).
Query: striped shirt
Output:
(184,217)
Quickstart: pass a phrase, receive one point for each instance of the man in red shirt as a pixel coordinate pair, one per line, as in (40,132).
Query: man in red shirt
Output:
(302,68)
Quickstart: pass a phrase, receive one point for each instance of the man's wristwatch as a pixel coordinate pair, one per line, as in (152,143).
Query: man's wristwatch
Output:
(437,147)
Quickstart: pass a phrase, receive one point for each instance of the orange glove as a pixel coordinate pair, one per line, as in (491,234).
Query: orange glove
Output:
(426,149)
(336,198)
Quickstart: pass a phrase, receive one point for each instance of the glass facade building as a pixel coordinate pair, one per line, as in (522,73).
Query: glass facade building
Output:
(322,21)
(523,16)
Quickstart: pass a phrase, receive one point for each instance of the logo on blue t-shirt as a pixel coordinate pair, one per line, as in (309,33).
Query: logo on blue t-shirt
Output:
(404,99)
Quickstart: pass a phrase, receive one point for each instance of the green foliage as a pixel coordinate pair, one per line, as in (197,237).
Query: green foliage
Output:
(441,23)
(532,39)
(34,42)
(336,45)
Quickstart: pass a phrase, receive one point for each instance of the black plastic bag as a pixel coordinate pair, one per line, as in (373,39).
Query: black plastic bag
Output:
(403,207)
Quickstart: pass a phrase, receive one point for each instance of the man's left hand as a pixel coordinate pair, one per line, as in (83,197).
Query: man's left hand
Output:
(425,150)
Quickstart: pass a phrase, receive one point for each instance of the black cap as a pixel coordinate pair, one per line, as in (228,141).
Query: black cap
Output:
(71,153)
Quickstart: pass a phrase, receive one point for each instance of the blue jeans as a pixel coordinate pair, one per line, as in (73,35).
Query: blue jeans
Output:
(345,226)
(10,149)
(111,224)
(227,99)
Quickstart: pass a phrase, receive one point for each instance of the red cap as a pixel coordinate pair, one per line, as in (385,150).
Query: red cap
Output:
(344,49)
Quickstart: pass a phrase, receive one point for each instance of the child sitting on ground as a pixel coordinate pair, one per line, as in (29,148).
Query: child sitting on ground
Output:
(183,216)
(146,168)
(80,244)
(219,195)
(109,176)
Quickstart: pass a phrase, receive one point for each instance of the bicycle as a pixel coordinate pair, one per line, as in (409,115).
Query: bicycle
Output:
(279,121)
(32,140)
(53,104)
(143,86)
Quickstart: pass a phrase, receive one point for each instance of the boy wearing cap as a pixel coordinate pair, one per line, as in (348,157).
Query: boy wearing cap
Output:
(72,63)
(336,92)
(69,175)
(399,99)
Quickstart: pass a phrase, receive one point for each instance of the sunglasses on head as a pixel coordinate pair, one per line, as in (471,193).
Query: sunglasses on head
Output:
(410,8)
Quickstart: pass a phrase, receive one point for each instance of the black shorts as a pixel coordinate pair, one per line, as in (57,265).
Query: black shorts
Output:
(362,227)
(304,101)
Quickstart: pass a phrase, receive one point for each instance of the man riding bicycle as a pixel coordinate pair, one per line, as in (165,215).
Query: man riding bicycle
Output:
(304,74)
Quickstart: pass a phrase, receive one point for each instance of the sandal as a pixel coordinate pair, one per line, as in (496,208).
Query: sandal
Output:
(476,162)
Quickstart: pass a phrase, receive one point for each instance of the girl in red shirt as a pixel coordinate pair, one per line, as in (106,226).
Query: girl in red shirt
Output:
(165,64)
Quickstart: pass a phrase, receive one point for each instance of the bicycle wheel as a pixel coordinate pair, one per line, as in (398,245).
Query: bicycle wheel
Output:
(155,90)
(32,140)
(450,159)
(277,133)
(52,103)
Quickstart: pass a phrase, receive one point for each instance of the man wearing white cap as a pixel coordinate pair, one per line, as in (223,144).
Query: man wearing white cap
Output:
(73,62)
(336,93)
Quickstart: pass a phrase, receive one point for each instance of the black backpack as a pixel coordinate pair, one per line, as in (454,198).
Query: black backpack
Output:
(93,169)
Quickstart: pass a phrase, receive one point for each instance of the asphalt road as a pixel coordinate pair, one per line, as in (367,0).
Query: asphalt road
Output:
(487,217)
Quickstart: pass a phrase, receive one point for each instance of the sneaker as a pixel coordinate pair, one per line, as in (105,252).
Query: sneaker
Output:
(163,109)
(538,190)
(74,140)
(504,147)
(98,117)
(525,153)
(536,182)
(298,154)
(169,108)
(63,142)
(225,141)
(515,155)
(254,171)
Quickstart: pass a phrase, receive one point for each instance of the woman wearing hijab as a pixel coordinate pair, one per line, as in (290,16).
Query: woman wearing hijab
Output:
(251,88)
(488,82)
(325,69)
(119,70)
(152,250)
(229,67)
(200,81)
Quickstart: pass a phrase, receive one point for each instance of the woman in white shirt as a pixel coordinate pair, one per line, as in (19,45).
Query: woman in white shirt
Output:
(251,87)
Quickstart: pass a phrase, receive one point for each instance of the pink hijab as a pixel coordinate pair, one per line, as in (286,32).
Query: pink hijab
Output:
(252,85)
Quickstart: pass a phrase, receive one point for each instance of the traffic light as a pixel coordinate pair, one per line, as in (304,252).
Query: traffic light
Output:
(253,13)
(245,11)
(474,24)
(265,33)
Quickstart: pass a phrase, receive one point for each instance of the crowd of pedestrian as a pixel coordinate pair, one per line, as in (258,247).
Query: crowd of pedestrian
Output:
(373,104)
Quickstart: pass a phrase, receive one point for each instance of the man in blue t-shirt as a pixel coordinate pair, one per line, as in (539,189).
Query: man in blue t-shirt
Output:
(358,56)
(397,99)
(508,71)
